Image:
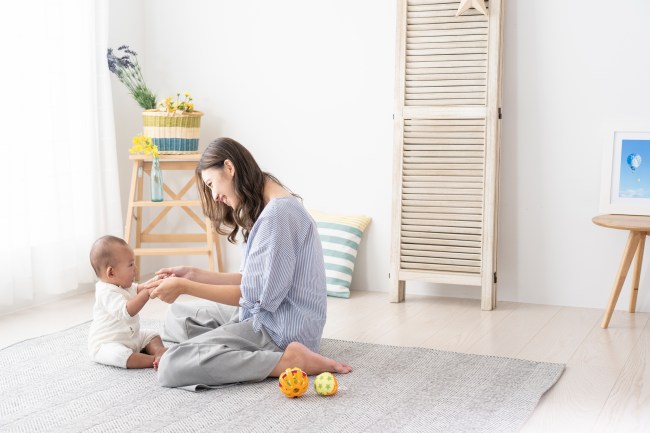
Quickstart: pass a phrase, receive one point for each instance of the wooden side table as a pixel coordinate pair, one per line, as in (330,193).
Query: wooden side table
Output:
(206,236)
(639,227)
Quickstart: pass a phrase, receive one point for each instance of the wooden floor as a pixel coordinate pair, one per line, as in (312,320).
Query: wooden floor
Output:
(605,387)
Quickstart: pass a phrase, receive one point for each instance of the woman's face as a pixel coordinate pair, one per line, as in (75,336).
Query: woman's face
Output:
(220,182)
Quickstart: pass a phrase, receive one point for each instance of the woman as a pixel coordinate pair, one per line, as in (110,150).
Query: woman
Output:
(281,291)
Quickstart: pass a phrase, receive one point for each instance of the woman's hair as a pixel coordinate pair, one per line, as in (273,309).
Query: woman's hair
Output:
(248,184)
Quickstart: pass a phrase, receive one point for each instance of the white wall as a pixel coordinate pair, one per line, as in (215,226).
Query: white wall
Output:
(308,88)
(574,73)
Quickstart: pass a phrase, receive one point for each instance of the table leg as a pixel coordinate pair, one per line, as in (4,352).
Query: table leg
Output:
(637,272)
(630,249)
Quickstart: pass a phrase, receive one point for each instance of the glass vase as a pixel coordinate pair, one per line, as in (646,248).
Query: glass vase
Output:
(156,181)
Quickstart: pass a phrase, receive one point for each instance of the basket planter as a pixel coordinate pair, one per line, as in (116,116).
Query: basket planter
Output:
(173,133)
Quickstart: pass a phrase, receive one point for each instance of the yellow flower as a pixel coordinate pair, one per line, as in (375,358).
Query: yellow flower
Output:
(144,144)
(172,106)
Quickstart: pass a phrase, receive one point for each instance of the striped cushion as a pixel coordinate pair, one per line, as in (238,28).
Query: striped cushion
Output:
(340,236)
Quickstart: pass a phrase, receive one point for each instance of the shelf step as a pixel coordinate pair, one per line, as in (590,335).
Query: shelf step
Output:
(166,203)
(170,251)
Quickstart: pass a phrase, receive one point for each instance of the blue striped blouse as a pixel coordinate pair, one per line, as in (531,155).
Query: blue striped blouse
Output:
(283,275)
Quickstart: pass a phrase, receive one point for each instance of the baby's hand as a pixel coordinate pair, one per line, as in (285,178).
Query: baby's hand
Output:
(148,285)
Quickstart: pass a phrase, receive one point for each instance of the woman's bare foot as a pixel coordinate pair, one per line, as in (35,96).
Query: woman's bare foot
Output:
(298,355)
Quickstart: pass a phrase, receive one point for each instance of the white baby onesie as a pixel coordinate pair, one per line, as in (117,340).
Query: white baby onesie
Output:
(115,335)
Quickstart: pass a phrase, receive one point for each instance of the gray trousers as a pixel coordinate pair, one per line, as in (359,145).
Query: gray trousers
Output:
(215,348)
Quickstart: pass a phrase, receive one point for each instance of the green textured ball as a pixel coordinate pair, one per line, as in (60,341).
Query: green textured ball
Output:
(326,384)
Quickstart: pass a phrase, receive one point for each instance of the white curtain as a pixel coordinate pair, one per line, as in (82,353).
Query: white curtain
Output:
(58,177)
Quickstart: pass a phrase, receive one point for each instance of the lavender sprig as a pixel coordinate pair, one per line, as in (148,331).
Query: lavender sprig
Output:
(125,66)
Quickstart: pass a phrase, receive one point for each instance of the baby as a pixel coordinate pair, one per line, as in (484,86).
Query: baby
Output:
(115,336)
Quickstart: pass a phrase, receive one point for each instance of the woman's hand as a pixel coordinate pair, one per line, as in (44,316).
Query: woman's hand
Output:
(166,289)
(146,284)
(187,272)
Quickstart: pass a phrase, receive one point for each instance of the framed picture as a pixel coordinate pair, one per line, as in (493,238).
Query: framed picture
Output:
(626,175)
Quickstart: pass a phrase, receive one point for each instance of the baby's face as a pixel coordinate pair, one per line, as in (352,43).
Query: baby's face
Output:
(124,269)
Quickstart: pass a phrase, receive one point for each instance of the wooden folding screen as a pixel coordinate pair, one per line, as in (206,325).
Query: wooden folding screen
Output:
(447,116)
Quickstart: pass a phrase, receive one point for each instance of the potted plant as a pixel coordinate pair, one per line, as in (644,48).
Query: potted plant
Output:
(173,125)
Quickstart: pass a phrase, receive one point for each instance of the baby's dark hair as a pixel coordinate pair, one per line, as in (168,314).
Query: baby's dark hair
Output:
(101,253)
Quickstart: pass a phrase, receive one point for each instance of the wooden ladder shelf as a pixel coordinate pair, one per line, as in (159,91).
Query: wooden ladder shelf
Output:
(134,215)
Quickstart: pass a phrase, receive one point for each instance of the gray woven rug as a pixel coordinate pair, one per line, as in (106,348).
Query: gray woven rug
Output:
(47,384)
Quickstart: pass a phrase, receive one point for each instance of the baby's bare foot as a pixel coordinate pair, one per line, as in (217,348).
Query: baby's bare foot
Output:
(157,356)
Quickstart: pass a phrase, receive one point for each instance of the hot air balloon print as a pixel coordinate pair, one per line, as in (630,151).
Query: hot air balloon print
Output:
(632,149)
(634,161)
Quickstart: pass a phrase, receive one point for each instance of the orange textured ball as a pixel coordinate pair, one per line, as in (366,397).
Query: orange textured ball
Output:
(293,382)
